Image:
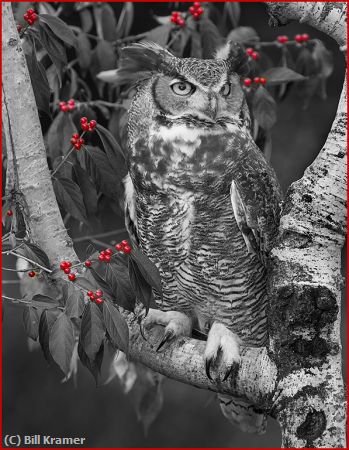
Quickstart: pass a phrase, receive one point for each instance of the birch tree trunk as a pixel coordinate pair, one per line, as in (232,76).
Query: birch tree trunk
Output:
(298,378)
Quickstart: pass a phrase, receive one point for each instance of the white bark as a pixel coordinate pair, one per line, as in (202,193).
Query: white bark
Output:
(297,380)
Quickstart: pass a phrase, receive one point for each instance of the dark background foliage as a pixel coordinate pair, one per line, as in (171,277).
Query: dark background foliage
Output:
(34,400)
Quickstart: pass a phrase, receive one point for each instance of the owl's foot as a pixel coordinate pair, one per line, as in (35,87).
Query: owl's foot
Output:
(222,350)
(176,324)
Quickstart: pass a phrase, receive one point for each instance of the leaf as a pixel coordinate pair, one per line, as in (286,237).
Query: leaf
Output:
(86,20)
(44,301)
(108,22)
(75,304)
(59,28)
(148,269)
(125,371)
(113,150)
(264,108)
(245,35)
(70,198)
(233,11)
(41,88)
(117,277)
(92,331)
(34,253)
(323,58)
(88,190)
(31,322)
(140,286)
(59,134)
(95,365)
(160,34)
(162,20)
(125,20)
(47,319)
(54,47)
(98,166)
(307,66)
(279,75)
(61,342)
(101,281)
(210,38)
(105,55)
(85,283)
(83,50)
(116,327)
(195,43)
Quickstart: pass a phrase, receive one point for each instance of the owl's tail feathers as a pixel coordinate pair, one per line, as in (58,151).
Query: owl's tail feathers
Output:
(243,415)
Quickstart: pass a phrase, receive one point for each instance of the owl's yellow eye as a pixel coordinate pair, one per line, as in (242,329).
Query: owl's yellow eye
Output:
(225,90)
(182,88)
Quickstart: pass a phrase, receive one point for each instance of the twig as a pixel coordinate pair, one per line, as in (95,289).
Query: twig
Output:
(31,261)
(126,39)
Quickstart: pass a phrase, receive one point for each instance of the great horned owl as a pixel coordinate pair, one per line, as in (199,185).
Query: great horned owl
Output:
(202,203)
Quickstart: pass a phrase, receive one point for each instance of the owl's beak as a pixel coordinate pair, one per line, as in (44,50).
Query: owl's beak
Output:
(212,107)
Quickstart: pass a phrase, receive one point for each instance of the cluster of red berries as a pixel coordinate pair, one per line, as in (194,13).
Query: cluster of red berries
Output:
(282,39)
(124,247)
(67,106)
(252,53)
(30,16)
(105,255)
(31,274)
(96,296)
(9,213)
(300,38)
(87,126)
(77,141)
(66,267)
(196,10)
(177,19)
(257,80)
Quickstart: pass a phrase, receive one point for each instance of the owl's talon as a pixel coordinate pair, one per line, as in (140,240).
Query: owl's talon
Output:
(169,334)
(222,349)
(207,367)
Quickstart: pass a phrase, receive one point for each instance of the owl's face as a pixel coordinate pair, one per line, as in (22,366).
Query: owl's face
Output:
(206,91)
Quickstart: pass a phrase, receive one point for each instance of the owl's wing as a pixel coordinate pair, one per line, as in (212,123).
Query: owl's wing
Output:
(130,210)
(256,200)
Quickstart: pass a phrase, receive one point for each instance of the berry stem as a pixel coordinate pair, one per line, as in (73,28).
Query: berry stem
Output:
(65,158)
(277,44)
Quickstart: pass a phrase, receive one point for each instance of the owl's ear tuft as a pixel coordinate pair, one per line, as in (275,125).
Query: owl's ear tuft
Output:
(235,56)
(138,61)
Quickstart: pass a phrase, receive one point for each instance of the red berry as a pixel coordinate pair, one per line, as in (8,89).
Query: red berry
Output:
(92,297)
(72,277)
(77,146)
(255,55)
(63,265)
(124,242)
(173,19)
(30,21)
(298,38)
(82,141)
(99,301)
(127,249)
(85,126)
(118,247)
(31,274)
(34,17)
(256,80)
(192,10)
(30,11)
(93,123)
(249,51)
(200,11)
(71,102)
(175,14)
(73,141)
(26,16)
(181,22)
(83,120)
(64,108)
(99,293)
(9,213)
(107,258)
(101,257)
(67,270)
(196,5)
(69,264)
(196,15)
(88,263)
(108,251)
(282,39)
(75,136)
(262,80)
(305,37)
(247,82)
(19,28)
(90,293)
